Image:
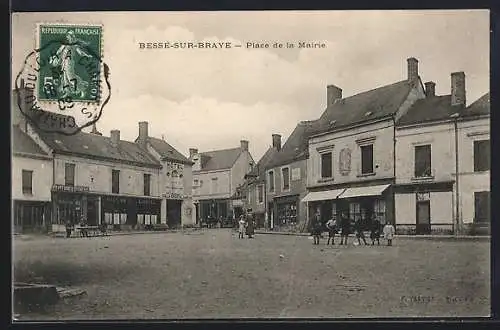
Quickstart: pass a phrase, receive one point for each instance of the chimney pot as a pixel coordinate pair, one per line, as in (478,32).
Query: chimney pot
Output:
(192,152)
(412,69)
(430,89)
(244,145)
(458,88)
(333,93)
(277,141)
(143,133)
(115,137)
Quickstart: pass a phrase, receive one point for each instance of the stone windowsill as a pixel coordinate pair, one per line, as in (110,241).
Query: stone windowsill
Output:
(365,175)
(325,180)
(423,178)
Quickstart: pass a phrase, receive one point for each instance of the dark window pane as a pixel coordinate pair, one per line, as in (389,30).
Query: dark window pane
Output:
(69,174)
(271,181)
(326,165)
(482,207)
(481,155)
(27,182)
(367,159)
(286,178)
(115,181)
(147,184)
(423,161)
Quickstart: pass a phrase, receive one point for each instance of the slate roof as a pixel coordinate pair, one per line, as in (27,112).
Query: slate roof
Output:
(22,143)
(167,151)
(440,108)
(296,146)
(381,102)
(86,144)
(219,159)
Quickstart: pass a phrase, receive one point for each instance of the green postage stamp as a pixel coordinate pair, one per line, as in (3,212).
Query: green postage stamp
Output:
(72,57)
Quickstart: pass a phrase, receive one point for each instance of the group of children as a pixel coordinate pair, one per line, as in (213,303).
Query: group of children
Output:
(344,228)
(246,227)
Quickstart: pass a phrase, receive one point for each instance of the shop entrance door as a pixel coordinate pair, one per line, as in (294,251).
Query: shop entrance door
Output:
(92,214)
(174,213)
(423,217)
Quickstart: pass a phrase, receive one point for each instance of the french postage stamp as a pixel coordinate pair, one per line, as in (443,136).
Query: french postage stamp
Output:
(64,84)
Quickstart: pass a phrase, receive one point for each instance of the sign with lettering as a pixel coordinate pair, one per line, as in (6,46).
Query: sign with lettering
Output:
(345,161)
(295,174)
(64,188)
(175,196)
(423,196)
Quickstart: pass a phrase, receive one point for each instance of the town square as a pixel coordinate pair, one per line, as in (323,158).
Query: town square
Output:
(345,178)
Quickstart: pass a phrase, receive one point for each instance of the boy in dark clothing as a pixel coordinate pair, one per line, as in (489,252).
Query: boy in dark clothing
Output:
(331,225)
(345,228)
(317,231)
(375,232)
(359,232)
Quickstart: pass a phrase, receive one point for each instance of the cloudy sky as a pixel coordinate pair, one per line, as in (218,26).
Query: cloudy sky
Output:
(211,99)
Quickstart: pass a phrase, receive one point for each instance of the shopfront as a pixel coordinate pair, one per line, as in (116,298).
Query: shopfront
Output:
(31,216)
(69,204)
(130,212)
(285,211)
(214,209)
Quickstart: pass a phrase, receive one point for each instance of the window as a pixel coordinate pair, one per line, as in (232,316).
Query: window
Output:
(249,195)
(147,184)
(355,211)
(482,207)
(326,165)
(367,159)
(195,183)
(271,181)
(481,155)
(285,174)
(27,182)
(69,174)
(115,181)
(423,161)
(215,185)
(260,193)
(379,210)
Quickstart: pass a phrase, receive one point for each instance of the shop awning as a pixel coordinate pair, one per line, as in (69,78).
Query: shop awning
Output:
(364,191)
(322,195)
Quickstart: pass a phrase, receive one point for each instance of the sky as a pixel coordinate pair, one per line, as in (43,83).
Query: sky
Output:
(212,98)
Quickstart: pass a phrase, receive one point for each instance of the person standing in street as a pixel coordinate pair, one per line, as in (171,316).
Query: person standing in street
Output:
(375,231)
(241,230)
(316,228)
(331,225)
(360,235)
(345,226)
(69,228)
(389,232)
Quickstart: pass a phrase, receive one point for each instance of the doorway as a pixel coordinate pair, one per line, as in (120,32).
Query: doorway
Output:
(174,213)
(92,218)
(423,217)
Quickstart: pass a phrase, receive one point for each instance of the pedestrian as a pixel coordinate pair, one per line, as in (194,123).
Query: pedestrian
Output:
(241,230)
(69,228)
(389,232)
(331,225)
(250,228)
(345,226)
(375,231)
(316,228)
(360,235)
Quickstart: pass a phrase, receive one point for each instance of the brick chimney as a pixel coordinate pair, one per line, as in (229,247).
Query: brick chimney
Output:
(458,88)
(277,141)
(94,130)
(430,89)
(333,93)
(143,134)
(412,69)
(192,152)
(244,145)
(115,137)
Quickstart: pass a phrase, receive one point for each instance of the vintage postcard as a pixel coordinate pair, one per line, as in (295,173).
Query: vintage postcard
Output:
(228,165)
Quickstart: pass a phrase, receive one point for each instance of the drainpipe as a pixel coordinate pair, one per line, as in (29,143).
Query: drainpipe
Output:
(457,193)
(394,170)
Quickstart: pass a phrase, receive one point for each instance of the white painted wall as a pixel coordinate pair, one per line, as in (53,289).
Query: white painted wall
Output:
(41,180)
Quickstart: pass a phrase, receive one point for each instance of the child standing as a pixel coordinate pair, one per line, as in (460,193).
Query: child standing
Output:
(331,225)
(241,231)
(375,232)
(389,232)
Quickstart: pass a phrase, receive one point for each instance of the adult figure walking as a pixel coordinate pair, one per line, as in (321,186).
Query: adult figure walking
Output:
(345,226)
(375,230)
(316,228)
(250,227)
(360,235)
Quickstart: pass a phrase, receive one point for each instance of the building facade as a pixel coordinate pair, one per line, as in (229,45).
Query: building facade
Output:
(216,177)
(351,165)
(175,180)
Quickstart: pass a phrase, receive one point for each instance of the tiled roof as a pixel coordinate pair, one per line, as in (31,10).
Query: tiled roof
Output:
(296,146)
(373,104)
(480,107)
(219,159)
(440,108)
(86,144)
(167,151)
(22,143)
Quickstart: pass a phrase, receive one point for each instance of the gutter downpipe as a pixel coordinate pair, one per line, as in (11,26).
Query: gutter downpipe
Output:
(457,215)
(394,170)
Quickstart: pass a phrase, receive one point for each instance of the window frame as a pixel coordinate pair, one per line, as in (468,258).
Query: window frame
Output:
(148,192)
(73,179)
(477,164)
(486,220)
(287,167)
(25,189)
(417,163)
(113,190)
(259,195)
(361,148)
(321,154)
(272,185)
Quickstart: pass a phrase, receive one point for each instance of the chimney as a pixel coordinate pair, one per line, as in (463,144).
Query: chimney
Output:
(458,88)
(94,130)
(333,93)
(277,141)
(192,152)
(430,89)
(143,133)
(244,145)
(115,137)
(412,69)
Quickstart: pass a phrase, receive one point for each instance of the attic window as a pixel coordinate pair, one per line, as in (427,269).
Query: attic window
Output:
(369,113)
(58,141)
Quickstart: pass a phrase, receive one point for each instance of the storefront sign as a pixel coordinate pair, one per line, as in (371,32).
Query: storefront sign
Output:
(345,161)
(295,174)
(61,187)
(175,196)
(423,196)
